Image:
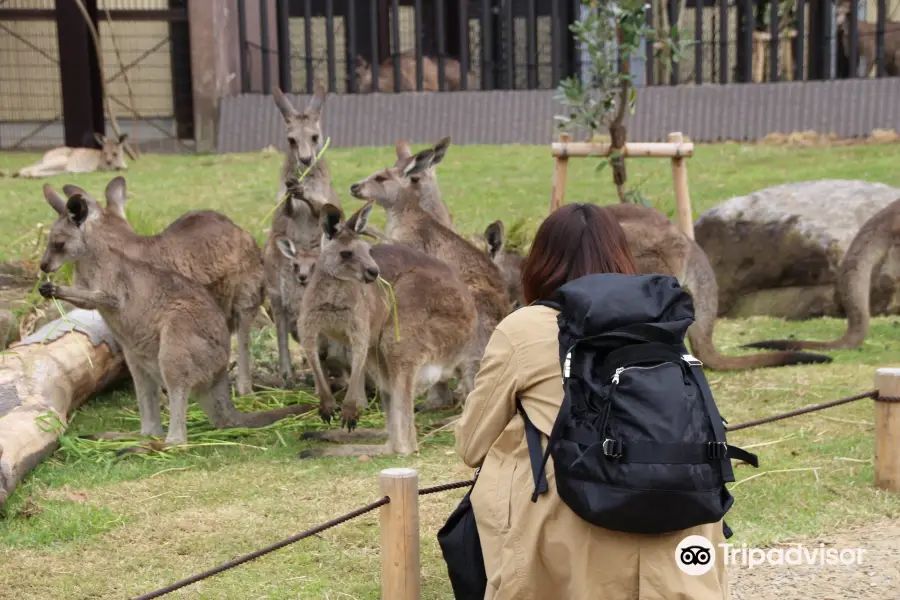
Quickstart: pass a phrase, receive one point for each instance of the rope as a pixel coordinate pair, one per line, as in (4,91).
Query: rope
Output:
(802,411)
(445,487)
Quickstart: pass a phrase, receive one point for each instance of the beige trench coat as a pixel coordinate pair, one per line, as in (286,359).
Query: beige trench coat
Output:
(543,550)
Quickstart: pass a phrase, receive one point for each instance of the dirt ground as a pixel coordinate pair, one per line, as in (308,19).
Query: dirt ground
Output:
(876,577)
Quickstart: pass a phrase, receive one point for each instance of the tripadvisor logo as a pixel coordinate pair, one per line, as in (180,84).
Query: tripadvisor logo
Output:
(695,555)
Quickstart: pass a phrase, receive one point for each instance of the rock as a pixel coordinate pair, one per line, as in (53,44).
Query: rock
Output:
(777,251)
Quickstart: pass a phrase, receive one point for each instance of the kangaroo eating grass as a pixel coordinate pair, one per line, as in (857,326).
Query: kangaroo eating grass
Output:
(204,246)
(510,262)
(410,224)
(171,331)
(435,317)
(869,247)
(111,157)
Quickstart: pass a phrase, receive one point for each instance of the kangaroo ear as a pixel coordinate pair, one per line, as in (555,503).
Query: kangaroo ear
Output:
(101,139)
(403,150)
(440,149)
(359,220)
(73,190)
(495,238)
(318,99)
(331,220)
(421,161)
(115,195)
(55,200)
(79,209)
(286,246)
(284,106)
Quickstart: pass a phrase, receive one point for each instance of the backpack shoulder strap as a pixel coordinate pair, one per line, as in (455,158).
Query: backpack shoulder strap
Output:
(548,303)
(535,455)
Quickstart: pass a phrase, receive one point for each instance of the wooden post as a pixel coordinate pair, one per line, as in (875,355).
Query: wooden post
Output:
(887,429)
(400,574)
(682,197)
(559,176)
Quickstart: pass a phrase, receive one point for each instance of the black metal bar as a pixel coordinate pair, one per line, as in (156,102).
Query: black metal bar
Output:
(555,43)
(463,45)
(574,44)
(441,46)
(351,47)
(880,18)
(698,41)
(376,59)
(419,65)
(799,41)
(395,38)
(307,47)
(723,41)
(531,44)
(773,41)
(82,92)
(264,46)
(746,42)
(182,82)
(329,43)
(673,18)
(853,44)
(509,46)
(487,67)
(648,46)
(242,45)
(284,46)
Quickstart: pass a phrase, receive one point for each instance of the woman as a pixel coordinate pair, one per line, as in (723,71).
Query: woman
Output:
(542,550)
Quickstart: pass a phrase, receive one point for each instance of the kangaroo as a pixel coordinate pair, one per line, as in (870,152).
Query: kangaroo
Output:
(410,224)
(436,316)
(111,157)
(869,247)
(390,181)
(866,36)
(430,74)
(204,246)
(296,219)
(170,328)
(510,262)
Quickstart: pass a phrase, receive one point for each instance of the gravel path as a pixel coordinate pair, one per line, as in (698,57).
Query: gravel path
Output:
(876,577)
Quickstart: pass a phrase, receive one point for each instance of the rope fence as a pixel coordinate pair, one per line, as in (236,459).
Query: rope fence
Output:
(400,516)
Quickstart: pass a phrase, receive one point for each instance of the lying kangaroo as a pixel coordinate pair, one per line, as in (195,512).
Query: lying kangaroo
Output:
(435,313)
(869,247)
(866,36)
(294,219)
(390,181)
(510,262)
(111,157)
(410,224)
(660,247)
(171,331)
(430,74)
(206,247)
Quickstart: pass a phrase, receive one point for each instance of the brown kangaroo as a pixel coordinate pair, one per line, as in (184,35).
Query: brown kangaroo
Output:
(110,157)
(866,35)
(435,314)
(170,328)
(869,247)
(206,247)
(430,74)
(510,262)
(390,181)
(410,224)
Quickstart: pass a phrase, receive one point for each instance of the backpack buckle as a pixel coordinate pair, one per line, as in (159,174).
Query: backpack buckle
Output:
(717,450)
(612,448)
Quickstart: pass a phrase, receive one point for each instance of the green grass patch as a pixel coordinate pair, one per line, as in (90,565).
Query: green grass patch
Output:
(89,523)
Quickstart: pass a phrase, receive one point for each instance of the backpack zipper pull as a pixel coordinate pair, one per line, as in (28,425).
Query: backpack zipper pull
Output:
(615,377)
(567,366)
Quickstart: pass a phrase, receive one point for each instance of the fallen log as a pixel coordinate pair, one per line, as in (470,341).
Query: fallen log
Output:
(43,379)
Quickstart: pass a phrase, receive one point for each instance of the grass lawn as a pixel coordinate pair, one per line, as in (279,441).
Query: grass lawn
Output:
(89,525)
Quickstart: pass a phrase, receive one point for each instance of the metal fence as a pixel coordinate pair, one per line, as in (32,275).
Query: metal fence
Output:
(49,76)
(356,46)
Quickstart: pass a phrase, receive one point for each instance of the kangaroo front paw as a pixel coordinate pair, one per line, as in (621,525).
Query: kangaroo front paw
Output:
(49,290)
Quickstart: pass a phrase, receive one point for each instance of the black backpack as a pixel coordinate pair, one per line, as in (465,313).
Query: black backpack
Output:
(638,445)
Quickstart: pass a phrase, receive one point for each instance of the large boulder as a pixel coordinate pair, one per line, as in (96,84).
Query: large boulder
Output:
(777,251)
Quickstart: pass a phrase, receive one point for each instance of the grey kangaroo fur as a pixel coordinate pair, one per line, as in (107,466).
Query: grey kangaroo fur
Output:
(854,281)
(410,224)
(436,316)
(510,262)
(170,328)
(204,246)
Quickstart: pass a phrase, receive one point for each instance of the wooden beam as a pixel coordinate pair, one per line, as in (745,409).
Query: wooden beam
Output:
(632,150)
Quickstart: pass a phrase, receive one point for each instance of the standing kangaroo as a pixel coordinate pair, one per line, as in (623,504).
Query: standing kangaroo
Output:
(410,224)
(171,331)
(204,246)
(294,219)
(435,316)
(110,157)
(869,247)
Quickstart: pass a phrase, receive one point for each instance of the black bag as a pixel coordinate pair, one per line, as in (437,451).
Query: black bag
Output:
(638,445)
(461,547)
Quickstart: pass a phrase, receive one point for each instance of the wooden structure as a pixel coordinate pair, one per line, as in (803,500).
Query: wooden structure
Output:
(887,429)
(43,378)
(400,573)
(675,149)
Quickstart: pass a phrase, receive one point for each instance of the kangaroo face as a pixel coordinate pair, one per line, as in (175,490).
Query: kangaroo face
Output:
(345,255)
(66,239)
(303,129)
(112,152)
(303,261)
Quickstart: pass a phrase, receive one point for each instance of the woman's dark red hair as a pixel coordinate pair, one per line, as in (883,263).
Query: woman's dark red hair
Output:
(574,241)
